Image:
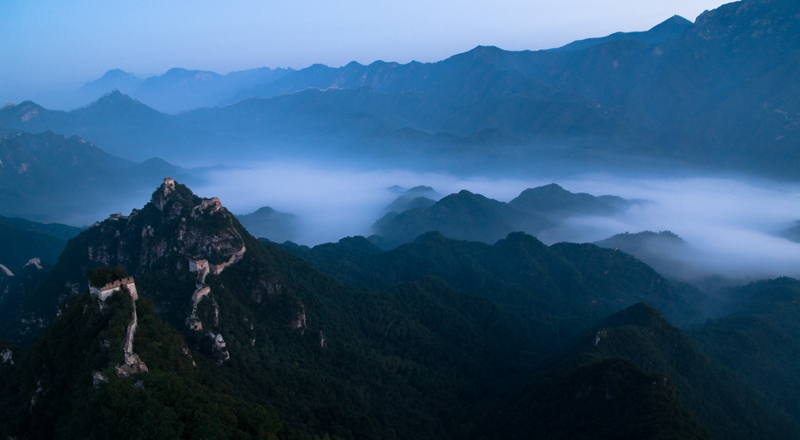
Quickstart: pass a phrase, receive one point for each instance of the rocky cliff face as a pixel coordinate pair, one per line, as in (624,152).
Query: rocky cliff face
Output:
(171,245)
(174,223)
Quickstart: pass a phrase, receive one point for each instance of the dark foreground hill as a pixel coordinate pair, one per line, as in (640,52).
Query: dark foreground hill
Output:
(636,366)
(21,240)
(239,338)
(759,338)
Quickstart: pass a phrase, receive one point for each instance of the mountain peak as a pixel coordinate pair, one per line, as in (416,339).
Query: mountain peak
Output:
(116,74)
(172,191)
(114,97)
(117,103)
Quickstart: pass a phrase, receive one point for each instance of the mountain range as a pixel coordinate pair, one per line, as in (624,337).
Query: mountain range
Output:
(23,240)
(717,94)
(438,338)
(175,91)
(49,177)
(461,316)
(468,216)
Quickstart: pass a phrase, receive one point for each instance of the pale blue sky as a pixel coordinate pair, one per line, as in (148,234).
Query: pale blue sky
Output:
(49,43)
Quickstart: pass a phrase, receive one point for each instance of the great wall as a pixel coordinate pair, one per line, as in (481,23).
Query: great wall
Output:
(131,363)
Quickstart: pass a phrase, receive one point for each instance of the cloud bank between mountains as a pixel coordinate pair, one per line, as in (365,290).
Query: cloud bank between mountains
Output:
(731,225)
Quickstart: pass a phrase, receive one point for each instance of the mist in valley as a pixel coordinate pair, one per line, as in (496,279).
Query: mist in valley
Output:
(731,226)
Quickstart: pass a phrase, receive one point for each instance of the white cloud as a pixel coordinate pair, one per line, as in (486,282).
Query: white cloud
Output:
(732,224)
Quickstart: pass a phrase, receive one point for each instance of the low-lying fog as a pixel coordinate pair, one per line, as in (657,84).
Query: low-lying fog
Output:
(731,225)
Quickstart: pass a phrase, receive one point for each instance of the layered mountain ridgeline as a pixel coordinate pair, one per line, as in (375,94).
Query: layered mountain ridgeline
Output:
(175,91)
(665,251)
(421,342)
(758,337)
(50,177)
(674,28)
(556,290)
(268,223)
(636,366)
(464,215)
(468,216)
(417,197)
(719,94)
(21,240)
(553,202)
(328,358)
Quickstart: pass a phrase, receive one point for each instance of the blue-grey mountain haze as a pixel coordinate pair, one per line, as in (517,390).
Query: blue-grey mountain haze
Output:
(52,45)
(733,224)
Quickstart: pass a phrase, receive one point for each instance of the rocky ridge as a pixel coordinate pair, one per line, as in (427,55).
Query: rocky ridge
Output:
(175,234)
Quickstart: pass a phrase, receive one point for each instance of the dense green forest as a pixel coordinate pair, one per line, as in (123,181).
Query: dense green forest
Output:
(438,338)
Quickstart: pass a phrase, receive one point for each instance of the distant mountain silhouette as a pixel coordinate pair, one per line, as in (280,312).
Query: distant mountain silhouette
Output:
(175,91)
(49,177)
(664,251)
(417,197)
(463,216)
(115,79)
(468,216)
(554,201)
(719,94)
(268,223)
(673,28)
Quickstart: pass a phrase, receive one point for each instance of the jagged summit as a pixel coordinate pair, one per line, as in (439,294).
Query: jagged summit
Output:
(116,102)
(114,96)
(178,239)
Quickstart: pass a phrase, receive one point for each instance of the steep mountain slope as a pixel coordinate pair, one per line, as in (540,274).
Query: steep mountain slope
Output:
(21,240)
(423,342)
(585,400)
(468,216)
(553,201)
(636,357)
(664,251)
(417,197)
(57,230)
(18,246)
(674,28)
(556,290)
(328,357)
(463,216)
(51,177)
(757,337)
(68,384)
(124,126)
(15,288)
(268,223)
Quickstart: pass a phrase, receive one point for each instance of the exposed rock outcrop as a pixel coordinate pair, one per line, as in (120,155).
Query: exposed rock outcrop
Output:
(219,349)
(35,262)
(6,357)
(5,272)
(203,268)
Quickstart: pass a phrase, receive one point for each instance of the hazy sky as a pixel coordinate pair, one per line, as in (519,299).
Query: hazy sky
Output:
(48,42)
